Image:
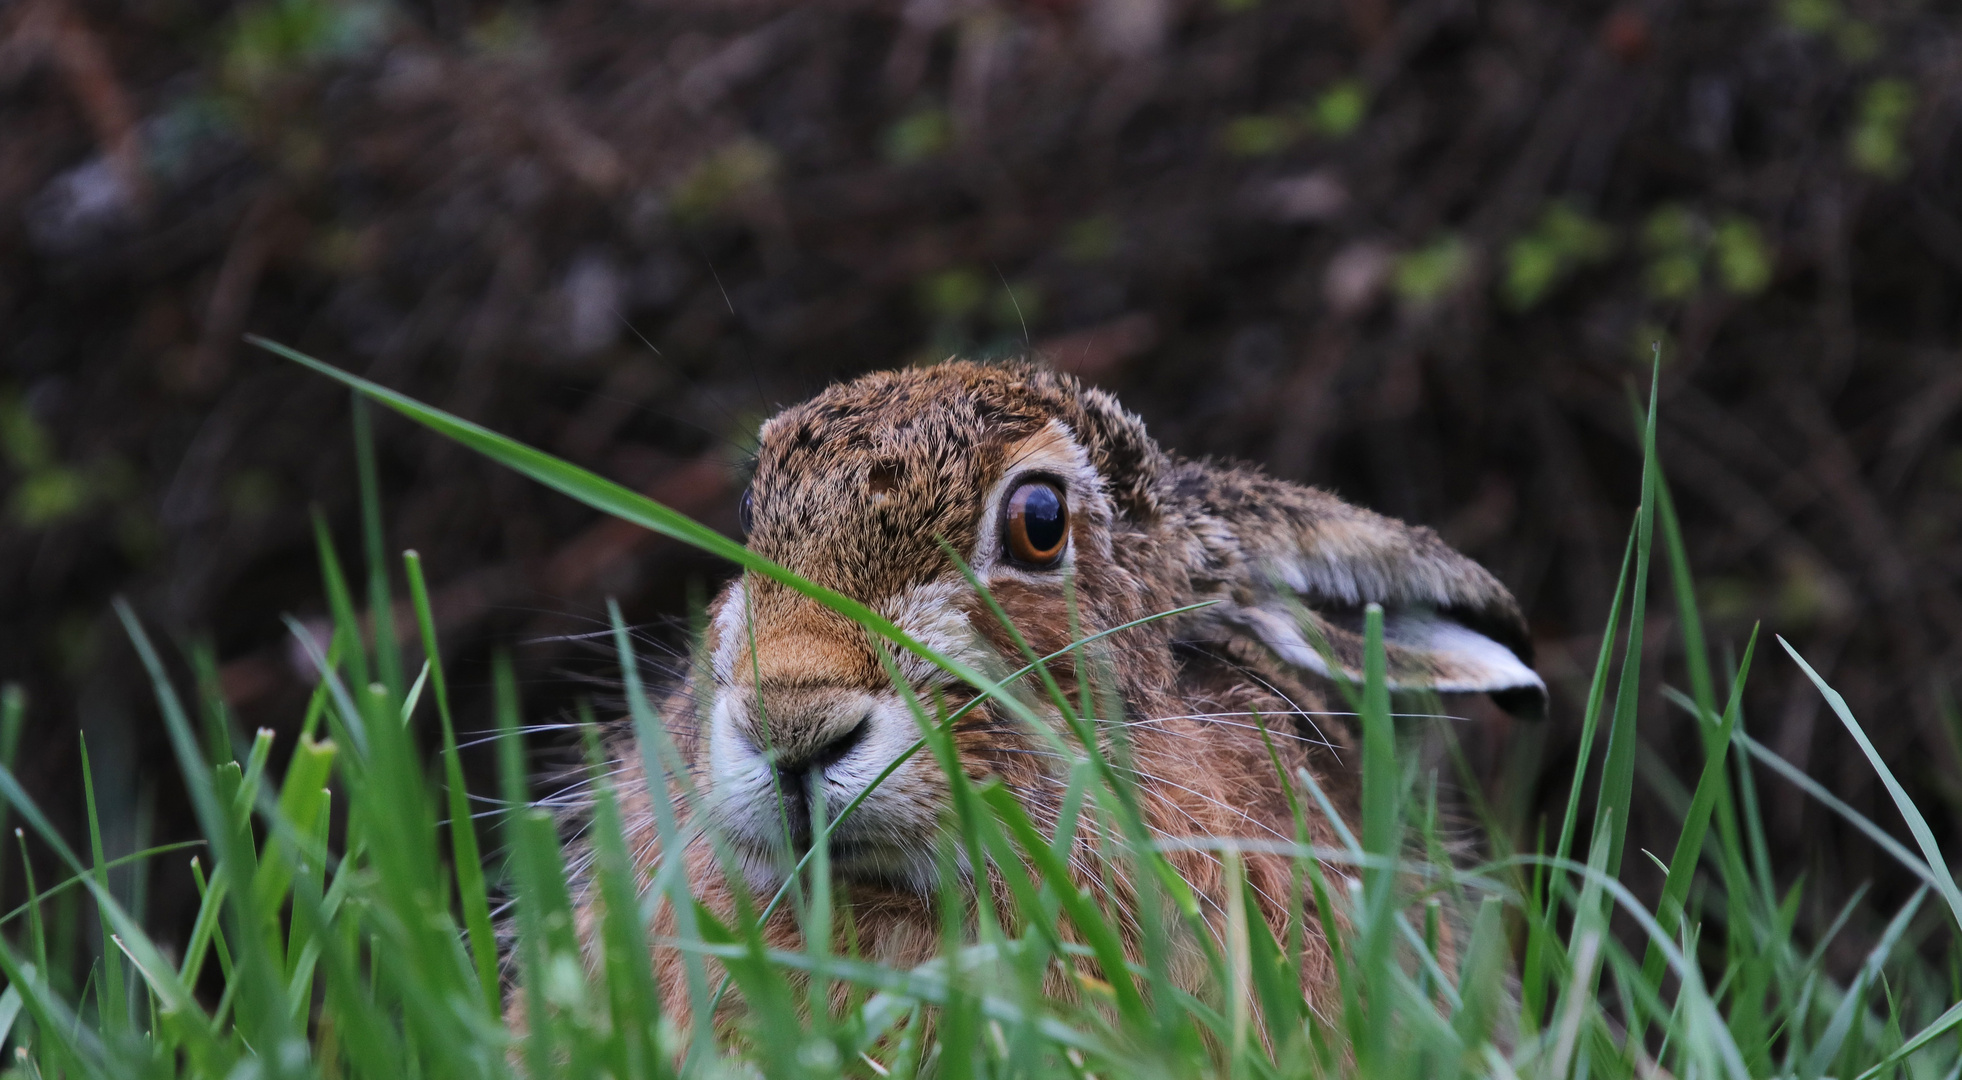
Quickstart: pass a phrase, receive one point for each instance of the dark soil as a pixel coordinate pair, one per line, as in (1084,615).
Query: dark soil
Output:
(1415,252)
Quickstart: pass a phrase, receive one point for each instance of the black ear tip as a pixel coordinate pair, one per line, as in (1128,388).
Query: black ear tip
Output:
(1522,702)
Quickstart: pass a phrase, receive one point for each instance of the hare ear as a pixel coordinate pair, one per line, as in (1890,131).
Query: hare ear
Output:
(1310,563)
(1423,650)
(1123,454)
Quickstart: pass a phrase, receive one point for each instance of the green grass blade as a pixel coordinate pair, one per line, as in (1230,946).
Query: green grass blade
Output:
(131,859)
(347,627)
(13,716)
(1538,963)
(121,924)
(543,906)
(220,744)
(633,1005)
(211,899)
(661,762)
(465,853)
(1854,1001)
(1078,906)
(1942,1025)
(1703,692)
(381,609)
(1689,843)
(1597,690)
(10,1004)
(115,1003)
(1944,881)
(1618,769)
(1482,986)
(1382,796)
(628,505)
(1696,656)
(74,1041)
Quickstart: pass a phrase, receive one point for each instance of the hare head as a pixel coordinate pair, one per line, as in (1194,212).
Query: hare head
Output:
(1076,523)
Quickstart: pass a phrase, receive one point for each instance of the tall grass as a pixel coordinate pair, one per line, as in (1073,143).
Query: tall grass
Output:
(360,960)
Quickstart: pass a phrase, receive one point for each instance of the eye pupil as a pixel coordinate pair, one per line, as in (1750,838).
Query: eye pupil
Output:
(1037,524)
(1042,514)
(746,510)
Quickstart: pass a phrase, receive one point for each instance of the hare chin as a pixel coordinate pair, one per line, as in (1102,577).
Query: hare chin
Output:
(880,867)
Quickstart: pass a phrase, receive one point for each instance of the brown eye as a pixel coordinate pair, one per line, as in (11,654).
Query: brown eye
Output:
(1036,526)
(747,511)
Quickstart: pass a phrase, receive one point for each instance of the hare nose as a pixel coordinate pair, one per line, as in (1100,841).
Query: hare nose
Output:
(800,766)
(796,764)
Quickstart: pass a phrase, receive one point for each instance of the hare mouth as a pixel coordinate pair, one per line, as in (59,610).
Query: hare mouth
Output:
(846,761)
(881,865)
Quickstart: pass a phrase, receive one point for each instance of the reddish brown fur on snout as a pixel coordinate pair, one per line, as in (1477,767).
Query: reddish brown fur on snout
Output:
(874,487)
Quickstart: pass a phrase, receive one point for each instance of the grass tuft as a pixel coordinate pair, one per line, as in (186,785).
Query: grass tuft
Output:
(309,960)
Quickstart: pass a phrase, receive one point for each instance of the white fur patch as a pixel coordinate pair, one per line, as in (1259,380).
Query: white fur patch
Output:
(931,615)
(1279,632)
(730,631)
(1478,663)
(1470,661)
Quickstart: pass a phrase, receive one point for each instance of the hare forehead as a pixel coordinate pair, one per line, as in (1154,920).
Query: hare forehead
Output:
(861,499)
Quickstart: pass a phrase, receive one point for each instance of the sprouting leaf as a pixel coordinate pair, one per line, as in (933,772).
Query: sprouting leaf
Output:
(277,38)
(23,441)
(1875,143)
(1533,267)
(1675,275)
(1340,109)
(1676,239)
(1671,226)
(1428,274)
(47,491)
(1333,114)
(49,496)
(1743,260)
(917,136)
(1810,16)
(1561,242)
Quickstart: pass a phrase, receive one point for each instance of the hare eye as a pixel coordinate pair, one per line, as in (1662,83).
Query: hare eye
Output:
(1037,524)
(747,510)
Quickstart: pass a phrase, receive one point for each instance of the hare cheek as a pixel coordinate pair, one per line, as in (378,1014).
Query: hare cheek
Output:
(734,766)
(727,635)
(934,615)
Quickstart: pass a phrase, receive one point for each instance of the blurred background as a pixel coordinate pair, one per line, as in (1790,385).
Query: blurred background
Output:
(1416,251)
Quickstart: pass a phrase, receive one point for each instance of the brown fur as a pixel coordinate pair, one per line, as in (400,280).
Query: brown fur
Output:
(857,488)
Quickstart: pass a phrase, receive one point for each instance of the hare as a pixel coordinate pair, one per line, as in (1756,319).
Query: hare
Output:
(1077,523)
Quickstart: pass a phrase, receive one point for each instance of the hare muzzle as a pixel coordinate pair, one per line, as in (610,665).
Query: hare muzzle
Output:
(795,736)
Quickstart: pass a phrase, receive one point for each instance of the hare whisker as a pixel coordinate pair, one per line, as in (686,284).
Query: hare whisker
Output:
(1217,719)
(1144,775)
(1293,705)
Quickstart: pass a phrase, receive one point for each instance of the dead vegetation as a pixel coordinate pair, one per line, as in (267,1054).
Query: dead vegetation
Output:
(1413,251)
